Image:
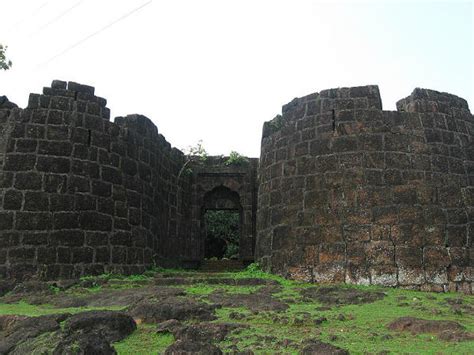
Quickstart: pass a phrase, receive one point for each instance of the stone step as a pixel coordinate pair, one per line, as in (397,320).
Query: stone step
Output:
(221,265)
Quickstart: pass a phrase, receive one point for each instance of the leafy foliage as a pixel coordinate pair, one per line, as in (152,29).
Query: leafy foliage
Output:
(5,64)
(198,152)
(222,239)
(235,159)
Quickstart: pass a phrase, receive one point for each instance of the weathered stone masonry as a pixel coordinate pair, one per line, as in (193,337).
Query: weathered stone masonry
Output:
(346,192)
(351,193)
(82,195)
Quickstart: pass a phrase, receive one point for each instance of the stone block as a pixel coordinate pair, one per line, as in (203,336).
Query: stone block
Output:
(28,181)
(67,238)
(94,221)
(53,164)
(19,162)
(36,201)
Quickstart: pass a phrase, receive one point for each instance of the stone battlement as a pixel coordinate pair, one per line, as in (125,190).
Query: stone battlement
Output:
(343,191)
(351,193)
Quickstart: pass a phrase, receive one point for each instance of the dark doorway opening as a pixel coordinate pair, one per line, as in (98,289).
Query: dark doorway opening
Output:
(222,234)
(221,224)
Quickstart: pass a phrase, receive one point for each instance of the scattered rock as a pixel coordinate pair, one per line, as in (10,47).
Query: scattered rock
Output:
(262,300)
(315,347)
(334,295)
(206,331)
(66,284)
(445,330)
(16,331)
(32,287)
(236,315)
(8,321)
(85,343)
(298,322)
(320,320)
(458,307)
(187,347)
(197,338)
(92,332)
(168,326)
(159,310)
(113,326)
(456,336)
(172,281)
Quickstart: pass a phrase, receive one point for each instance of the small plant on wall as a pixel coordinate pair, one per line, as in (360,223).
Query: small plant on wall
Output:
(235,159)
(195,153)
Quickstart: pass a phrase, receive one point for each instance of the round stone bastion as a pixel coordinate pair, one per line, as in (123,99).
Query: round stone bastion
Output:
(351,193)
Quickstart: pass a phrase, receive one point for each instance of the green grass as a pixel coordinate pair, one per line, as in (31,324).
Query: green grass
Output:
(25,309)
(145,340)
(363,330)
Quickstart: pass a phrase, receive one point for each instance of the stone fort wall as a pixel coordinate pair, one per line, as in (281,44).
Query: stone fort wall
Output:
(346,192)
(82,195)
(351,193)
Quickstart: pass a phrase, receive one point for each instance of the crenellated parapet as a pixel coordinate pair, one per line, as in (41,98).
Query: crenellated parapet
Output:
(351,193)
(80,194)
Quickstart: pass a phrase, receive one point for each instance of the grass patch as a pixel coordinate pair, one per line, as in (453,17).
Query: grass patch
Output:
(145,340)
(358,328)
(25,309)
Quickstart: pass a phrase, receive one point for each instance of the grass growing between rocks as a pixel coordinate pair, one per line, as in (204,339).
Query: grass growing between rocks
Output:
(145,340)
(271,314)
(23,308)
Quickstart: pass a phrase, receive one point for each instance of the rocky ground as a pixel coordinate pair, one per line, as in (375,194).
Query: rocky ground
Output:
(178,312)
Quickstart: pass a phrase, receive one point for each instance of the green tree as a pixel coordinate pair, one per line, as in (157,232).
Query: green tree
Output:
(222,233)
(5,64)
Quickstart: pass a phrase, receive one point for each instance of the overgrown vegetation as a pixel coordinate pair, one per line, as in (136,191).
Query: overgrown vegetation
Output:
(341,315)
(235,158)
(222,234)
(5,63)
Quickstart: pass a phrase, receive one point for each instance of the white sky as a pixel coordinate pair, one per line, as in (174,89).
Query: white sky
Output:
(217,69)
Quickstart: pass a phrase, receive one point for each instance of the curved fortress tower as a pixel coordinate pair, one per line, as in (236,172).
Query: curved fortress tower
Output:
(351,193)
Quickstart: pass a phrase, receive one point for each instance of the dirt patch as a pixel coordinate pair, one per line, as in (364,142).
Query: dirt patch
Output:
(333,295)
(159,310)
(445,330)
(315,347)
(261,300)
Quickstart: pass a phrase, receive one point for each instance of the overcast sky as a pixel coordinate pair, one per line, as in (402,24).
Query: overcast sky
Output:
(217,69)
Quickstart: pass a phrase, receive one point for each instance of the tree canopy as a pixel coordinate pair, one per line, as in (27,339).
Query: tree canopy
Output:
(5,64)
